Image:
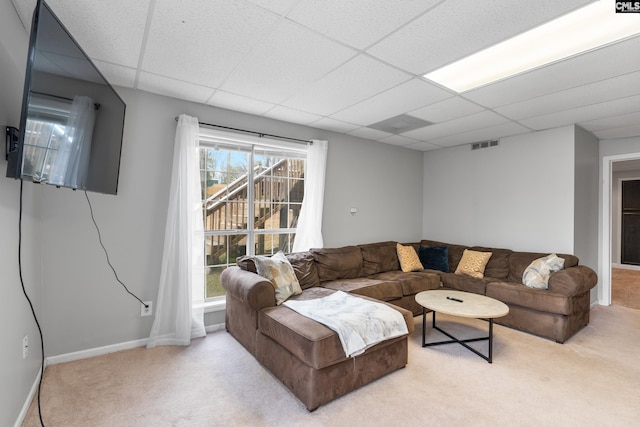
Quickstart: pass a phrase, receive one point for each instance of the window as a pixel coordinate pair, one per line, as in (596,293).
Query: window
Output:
(251,199)
(44,133)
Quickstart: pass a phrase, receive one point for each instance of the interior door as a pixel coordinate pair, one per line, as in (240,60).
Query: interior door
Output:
(630,241)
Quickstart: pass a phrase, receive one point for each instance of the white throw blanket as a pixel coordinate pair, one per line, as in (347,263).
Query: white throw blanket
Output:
(359,323)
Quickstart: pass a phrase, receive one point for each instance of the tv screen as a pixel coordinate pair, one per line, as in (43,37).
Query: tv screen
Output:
(72,120)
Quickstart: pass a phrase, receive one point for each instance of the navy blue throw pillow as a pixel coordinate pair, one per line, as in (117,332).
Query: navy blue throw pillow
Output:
(435,258)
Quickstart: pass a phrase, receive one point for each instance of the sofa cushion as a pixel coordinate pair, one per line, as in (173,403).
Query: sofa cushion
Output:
(464,283)
(279,272)
(536,275)
(382,290)
(411,283)
(379,257)
(498,264)
(536,299)
(408,259)
(519,261)
(434,258)
(310,341)
(473,263)
(338,263)
(303,265)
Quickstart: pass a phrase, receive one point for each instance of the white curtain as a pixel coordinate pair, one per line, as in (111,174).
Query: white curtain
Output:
(72,159)
(309,230)
(180,306)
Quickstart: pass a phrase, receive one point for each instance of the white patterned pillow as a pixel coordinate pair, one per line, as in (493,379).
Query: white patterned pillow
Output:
(278,270)
(537,274)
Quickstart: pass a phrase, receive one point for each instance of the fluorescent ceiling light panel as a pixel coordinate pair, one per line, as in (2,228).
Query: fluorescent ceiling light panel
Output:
(587,28)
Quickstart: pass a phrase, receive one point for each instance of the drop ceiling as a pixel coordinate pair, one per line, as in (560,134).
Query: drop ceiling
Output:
(345,65)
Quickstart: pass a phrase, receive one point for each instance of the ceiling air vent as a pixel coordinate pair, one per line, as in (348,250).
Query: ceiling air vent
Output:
(400,124)
(484,144)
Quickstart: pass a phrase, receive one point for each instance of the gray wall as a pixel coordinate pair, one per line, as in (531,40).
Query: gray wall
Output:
(586,198)
(585,226)
(517,195)
(85,306)
(17,375)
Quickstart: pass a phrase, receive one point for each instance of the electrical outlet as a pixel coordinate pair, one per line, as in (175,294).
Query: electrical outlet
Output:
(25,346)
(146,311)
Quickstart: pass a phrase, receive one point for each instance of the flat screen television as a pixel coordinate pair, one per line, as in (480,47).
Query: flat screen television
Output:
(72,120)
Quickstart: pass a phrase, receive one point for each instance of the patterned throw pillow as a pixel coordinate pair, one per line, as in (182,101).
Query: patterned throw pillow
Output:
(278,270)
(473,263)
(408,258)
(537,274)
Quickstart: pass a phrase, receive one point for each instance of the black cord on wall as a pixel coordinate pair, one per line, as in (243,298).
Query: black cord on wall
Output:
(107,254)
(35,317)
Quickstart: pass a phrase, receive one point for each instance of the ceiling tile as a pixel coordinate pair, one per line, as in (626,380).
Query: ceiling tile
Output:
(291,115)
(600,64)
(110,31)
(623,120)
(277,6)
(355,81)
(620,132)
(395,101)
(398,140)
(423,146)
(369,133)
(479,120)
(358,23)
(484,134)
(232,101)
(457,28)
(117,75)
(289,59)
(605,90)
(583,114)
(204,42)
(334,125)
(448,109)
(173,88)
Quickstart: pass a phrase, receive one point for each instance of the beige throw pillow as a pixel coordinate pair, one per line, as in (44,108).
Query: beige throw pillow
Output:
(408,257)
(473,263)
(278,270)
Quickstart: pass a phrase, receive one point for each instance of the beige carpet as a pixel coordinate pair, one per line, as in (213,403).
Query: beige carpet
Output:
(592,380)
(625,287)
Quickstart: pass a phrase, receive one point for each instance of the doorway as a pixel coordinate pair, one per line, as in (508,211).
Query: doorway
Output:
(621,274)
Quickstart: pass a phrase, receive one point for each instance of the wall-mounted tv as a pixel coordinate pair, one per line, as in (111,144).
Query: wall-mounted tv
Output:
(72,119)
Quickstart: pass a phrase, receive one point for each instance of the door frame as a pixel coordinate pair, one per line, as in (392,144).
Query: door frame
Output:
(606,208)
(619,205)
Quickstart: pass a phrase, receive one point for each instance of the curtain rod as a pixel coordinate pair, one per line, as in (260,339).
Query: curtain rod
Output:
(260,134)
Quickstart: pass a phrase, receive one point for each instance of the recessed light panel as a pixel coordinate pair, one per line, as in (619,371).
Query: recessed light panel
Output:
(587,28)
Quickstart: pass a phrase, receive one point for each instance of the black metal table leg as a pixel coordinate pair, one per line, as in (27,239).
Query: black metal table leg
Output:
(489,338)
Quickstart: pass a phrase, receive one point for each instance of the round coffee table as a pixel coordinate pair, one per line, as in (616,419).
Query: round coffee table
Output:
(463,304)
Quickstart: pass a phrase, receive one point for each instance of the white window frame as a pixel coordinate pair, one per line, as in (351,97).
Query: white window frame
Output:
(213,138)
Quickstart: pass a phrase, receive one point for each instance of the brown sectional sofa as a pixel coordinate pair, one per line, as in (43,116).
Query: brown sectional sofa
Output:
(308,357)
(556,313)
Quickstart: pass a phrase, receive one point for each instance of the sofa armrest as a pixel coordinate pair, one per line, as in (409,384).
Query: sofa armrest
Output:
(573,281)
(248,287)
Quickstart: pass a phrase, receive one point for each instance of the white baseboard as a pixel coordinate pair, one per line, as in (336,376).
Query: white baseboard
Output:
(99,351)
(29,399)
(625,266)
(92,352)
(214,328)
